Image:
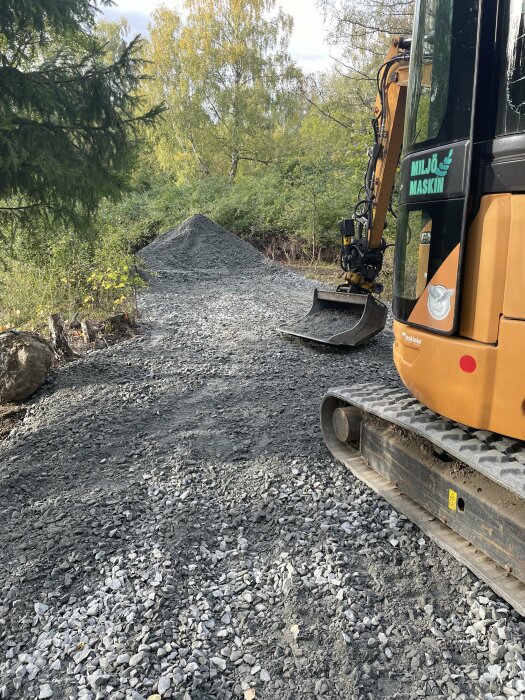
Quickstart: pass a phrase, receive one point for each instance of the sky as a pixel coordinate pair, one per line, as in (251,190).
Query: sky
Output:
(307,44)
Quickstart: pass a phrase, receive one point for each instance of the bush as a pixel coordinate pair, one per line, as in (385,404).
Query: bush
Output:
(90,277)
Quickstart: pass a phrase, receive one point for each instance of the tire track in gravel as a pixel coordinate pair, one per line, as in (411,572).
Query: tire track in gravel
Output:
(172,523)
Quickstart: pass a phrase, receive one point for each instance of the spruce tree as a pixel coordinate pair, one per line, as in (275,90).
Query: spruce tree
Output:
(68,117)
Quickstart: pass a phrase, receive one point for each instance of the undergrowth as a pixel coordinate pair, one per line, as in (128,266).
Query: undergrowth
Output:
(93,277)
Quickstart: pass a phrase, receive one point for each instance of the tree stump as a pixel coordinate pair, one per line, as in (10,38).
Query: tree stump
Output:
(59,337)
(88,332)
(119,323)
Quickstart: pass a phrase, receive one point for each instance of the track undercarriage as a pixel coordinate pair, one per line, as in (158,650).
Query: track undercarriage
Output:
(464,488)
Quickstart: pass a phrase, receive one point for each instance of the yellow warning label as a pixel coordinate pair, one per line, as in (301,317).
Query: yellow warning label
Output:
(347,241)
(452,500)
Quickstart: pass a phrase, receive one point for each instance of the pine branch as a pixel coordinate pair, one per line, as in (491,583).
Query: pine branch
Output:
(68,119)
(24,207)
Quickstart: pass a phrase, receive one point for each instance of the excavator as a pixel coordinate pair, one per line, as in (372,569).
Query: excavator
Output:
(449,132)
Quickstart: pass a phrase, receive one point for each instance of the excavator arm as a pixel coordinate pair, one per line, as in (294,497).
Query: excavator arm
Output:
(363,244)
(351,315)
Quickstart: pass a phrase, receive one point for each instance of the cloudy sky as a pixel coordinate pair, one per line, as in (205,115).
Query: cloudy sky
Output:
(307,45)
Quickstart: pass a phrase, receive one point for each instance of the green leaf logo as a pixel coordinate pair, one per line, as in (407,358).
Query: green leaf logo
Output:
(442,169)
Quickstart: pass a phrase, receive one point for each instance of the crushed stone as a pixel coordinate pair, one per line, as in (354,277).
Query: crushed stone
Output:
(325,324)
(200,244)
(172,524)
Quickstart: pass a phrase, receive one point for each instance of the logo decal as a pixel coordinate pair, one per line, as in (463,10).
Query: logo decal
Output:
(438,171)
(413,339)
(439,301)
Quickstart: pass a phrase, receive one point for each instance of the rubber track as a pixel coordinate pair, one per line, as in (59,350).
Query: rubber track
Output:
(499,458)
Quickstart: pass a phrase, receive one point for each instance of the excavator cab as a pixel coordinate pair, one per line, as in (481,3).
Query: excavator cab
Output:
(459,290)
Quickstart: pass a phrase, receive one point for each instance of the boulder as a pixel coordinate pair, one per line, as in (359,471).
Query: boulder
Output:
(25,361)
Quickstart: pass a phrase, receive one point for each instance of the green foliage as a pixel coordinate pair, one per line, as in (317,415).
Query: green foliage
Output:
(224,72)
(36,17)
(291,205)
(113,37)
(290,208)
(68,116)
(94,276)
(271,154)
(362,31)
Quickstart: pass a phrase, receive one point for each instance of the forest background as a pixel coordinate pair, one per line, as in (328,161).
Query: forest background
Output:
(107,140)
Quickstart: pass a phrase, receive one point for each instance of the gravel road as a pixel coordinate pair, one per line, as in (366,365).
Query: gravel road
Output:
(173,527)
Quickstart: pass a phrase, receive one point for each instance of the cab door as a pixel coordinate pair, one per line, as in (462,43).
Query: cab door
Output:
(436,164)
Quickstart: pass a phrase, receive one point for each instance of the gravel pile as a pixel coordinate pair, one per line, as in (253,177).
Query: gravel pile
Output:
(173,527)
(201,244)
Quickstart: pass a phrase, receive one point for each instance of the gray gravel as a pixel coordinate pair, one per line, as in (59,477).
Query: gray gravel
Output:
(173,526)
(325,324)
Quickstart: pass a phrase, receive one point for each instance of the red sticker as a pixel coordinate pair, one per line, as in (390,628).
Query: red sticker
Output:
(467,363)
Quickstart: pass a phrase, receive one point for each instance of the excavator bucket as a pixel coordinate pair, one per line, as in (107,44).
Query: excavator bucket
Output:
(340,319)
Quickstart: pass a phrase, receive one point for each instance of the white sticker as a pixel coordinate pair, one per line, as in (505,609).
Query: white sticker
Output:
(439,301)
(412,339)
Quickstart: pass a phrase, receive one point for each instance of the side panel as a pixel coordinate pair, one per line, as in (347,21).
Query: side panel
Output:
(514,301)
(508,409)
(433,308)
(429,365)
(485,269)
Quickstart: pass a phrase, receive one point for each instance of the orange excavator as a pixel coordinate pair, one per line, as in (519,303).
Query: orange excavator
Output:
(447,451)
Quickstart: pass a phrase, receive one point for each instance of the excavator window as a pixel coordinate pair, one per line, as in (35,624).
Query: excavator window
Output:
(431,237)
(441,73)
(511,107)
(431,61)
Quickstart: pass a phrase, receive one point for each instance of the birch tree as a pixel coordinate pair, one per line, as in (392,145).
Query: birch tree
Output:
(223,72)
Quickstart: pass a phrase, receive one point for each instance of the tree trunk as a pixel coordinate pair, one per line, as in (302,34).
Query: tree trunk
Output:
(202,165)
(235,144)
(234,166)
(314,216)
